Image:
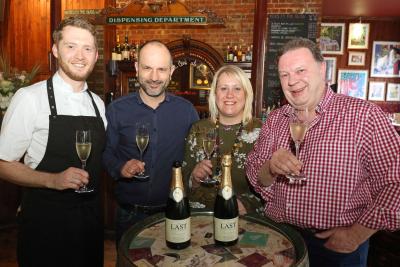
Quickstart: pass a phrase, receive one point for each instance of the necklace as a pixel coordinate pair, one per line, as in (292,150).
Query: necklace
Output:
(235,147)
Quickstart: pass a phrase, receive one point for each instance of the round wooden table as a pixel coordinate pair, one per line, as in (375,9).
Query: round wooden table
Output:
(262,242)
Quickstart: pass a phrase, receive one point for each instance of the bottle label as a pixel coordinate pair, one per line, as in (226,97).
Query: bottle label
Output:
(227,192)
(177,231)
(177,194)
(125,54)
(226,230)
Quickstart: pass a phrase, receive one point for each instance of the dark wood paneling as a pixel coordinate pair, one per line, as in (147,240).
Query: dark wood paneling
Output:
(364,8)
(27,37)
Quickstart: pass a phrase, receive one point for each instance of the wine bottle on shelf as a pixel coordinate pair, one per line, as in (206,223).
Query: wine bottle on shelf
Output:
(118,49)
(227,53)
(126,49)
(239,53)
(177,213)
(226,212)
(248,54)
(231,54)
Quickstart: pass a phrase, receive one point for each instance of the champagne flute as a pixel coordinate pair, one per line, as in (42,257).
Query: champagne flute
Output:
(142,140)
(83,146)
(298,124)
(209,140)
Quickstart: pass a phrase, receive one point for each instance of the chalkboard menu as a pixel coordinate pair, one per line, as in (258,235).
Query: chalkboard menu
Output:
(282,28)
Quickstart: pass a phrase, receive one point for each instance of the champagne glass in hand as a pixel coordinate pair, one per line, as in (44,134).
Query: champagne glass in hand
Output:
(298,124)
(83,146)
(142,140)
(209,140)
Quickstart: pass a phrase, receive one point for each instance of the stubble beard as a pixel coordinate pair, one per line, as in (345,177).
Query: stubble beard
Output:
(74,76)
(145,87)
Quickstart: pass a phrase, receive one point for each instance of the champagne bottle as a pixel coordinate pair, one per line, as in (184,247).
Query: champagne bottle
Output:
(226,212)
(177,213)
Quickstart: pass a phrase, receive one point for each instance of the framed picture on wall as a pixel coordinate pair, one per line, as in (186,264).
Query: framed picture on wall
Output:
(330,75)
(376,91)
(353,83)
(356,58)
(200,76)
(358,36)
(332,38)
(393,92)
(385,61)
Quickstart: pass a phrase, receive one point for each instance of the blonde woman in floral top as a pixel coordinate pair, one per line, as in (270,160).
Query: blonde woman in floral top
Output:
(230,105)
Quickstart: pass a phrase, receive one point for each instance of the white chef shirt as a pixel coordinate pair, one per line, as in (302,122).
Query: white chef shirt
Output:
(25,125)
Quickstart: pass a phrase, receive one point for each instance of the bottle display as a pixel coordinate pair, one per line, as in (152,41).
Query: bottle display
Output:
(118,50)
(226,212)
(126,49)
(177,213)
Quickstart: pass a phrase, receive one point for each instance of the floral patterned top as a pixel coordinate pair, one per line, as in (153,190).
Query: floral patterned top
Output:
(202,196)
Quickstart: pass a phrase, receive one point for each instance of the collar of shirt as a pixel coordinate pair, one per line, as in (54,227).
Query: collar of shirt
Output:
(140,101)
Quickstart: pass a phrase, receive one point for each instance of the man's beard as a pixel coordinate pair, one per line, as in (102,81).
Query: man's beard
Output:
(144,85)
(76,77)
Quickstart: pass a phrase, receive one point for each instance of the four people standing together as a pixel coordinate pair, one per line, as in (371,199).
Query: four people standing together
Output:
(350,155)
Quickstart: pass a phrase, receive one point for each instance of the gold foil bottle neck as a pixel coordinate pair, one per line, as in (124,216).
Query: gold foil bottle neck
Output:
(226,160)
(226,163)
(176,181)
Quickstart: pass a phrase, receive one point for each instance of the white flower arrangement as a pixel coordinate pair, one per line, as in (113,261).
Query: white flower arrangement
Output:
(11,79)
(250,137)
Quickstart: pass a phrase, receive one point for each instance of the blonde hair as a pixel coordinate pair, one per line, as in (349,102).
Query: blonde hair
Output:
(238,73)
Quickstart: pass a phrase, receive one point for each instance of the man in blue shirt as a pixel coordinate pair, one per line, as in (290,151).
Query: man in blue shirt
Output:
(169,118)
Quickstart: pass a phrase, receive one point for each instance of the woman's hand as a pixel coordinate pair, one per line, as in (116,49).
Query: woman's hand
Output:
(201,171)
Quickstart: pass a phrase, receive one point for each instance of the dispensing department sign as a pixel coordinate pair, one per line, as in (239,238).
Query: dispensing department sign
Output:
(157,20)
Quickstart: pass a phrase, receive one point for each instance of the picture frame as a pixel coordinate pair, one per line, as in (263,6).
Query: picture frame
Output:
(331,39)
(376,91)
(200,76)
(330,75)
(393,92)
(385,60)
(356,58)
(353,83)
(358,36)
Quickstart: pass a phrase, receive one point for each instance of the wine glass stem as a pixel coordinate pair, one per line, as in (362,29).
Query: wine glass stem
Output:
(83,164)
(297,145)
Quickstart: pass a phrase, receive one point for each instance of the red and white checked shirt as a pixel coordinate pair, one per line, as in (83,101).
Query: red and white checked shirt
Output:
(351,157)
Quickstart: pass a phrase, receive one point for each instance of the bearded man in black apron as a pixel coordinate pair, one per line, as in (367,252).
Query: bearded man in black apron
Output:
(57,225)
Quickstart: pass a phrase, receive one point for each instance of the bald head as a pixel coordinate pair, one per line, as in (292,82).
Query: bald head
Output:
(154,44)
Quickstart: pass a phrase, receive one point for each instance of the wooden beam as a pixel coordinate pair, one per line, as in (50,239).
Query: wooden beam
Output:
(259,35)
(55,19)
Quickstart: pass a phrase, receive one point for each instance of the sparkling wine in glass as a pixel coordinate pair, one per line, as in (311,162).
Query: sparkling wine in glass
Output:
(209,141)
(83,146)
(142,140)
(298,124)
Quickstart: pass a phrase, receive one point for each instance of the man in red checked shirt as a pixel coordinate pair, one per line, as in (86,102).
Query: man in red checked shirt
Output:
(350,157)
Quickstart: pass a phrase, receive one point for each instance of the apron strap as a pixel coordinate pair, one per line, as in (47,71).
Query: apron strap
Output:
(52,101)
(50,95)
(94,104)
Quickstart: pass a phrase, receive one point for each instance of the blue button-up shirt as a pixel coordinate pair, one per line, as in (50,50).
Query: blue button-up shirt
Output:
(169,124)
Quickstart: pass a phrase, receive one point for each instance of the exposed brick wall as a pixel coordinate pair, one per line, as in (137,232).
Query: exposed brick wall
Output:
(294,6)
(238,15)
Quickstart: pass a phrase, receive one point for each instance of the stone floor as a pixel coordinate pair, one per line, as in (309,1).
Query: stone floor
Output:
(8,244)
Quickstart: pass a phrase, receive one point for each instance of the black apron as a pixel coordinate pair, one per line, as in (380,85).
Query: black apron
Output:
(64,228)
